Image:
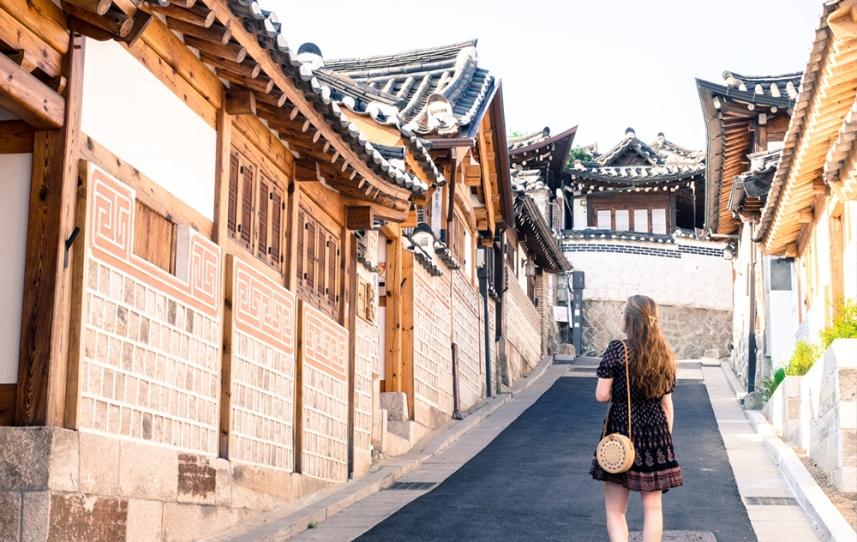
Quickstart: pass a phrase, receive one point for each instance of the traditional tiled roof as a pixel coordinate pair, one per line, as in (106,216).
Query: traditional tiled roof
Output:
(540,239)
(630,144)
(818,120)
(525,180)
(673,153)
(729,108)
(440,90)
(751,188)
(633,163)
(267,28)
(542,151)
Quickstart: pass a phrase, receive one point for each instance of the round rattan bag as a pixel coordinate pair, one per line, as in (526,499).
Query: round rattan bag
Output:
(615,452)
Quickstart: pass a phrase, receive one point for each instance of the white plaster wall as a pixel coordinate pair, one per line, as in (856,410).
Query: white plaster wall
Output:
(578,209)
(782,320)
(131,113)
(692,281)
(849,260)
(15,172)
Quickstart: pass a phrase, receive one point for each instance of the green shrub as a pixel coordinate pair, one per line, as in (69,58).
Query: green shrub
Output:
(844,325)
(770,384)
(802,359)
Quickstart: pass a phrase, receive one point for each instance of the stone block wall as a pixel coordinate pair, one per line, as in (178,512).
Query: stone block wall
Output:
(545,294)
(692,332)
(828,414)
(150,357)
(324,411)
(466,316)
(432,353)
(264,337)
(59,484)
(366,359)
(522,332)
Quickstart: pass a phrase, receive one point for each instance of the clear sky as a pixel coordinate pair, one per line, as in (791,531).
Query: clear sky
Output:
(601,65)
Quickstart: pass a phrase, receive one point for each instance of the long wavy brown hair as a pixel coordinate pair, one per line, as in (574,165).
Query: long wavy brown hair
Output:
(652,361)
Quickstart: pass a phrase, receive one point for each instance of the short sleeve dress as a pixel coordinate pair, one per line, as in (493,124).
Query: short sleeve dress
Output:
(655,467)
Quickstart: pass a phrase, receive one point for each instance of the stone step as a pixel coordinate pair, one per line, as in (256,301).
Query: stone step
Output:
(408,430)
(396,405)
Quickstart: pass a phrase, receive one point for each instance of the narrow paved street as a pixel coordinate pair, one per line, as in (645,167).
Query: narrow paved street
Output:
(522,474)
(532,482)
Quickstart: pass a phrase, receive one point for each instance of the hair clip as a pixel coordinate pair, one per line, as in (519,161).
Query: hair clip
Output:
(652,320)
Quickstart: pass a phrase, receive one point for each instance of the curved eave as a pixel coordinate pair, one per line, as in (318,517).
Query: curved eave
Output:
(539,238)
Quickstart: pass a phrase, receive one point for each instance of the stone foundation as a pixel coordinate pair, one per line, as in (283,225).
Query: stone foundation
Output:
(693,333)
(58,484)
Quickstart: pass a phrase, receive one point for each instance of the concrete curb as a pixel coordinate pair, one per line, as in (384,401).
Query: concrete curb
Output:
(297,517)
(809,494)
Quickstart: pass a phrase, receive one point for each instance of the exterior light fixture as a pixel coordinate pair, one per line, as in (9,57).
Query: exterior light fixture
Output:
(423,237)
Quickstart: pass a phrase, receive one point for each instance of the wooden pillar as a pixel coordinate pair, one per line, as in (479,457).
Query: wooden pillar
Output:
(351,275)
(393,319)
(42,366)
(221,176)
(406,360)
(837,249)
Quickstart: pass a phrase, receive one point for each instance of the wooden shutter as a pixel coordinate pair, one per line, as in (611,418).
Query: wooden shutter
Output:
(277,208)
(301,255)
(321,275)
(246,224)
(310,260)
(262,217)
(332,273)
(154,237)
(232,209)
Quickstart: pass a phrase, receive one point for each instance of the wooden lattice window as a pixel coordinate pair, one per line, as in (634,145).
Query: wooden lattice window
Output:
(256,211)
(319,261)
(154,237)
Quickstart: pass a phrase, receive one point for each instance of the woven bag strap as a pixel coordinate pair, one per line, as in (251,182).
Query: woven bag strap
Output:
(628,386)
(627,389)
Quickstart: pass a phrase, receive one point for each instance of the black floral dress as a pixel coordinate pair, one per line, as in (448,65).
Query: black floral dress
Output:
(655,467)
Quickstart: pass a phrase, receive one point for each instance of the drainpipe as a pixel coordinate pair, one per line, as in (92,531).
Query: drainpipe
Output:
(751,338)
(483,289)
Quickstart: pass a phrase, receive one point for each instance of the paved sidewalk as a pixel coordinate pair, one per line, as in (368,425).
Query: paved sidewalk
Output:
(775,515)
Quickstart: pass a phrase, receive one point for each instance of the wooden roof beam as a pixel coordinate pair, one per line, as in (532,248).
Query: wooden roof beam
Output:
(198,15)
(28,98)
(240,101)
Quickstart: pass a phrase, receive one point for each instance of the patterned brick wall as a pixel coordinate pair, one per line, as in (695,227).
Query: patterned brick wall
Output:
(150,359)
(492,337)
(432,339)
(522,322)
(365,360)
(324,452)
(466,326)
(263,370)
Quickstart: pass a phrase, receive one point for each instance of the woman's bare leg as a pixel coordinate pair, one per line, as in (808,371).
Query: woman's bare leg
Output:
(616,504)
(653,517)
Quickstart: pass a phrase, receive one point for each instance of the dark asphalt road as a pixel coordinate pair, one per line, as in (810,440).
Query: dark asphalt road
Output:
(532,482)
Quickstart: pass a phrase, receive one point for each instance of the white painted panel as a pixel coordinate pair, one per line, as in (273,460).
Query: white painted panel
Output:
(15,171)
(129,111)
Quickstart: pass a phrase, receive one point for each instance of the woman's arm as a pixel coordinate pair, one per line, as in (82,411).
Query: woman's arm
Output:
(669,412)
(603,390)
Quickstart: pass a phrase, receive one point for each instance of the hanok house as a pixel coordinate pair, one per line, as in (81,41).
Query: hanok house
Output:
(810,214)
(538,161)
(187,339)
(746,120)
(635,211)
(449,328)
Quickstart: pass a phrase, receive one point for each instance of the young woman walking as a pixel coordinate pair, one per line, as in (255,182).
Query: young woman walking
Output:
(651,370)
